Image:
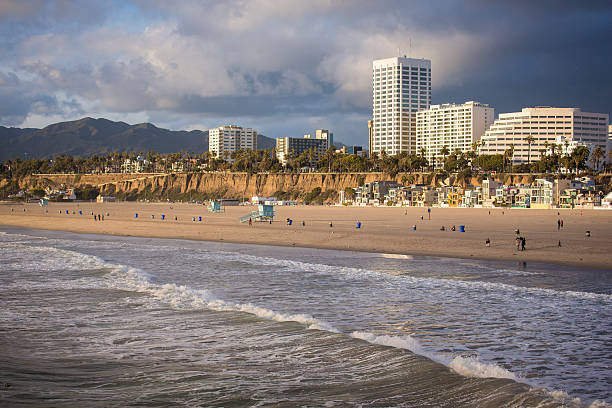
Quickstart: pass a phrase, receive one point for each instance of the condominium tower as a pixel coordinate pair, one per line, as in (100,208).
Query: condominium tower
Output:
(400,87)
(451,126)
(287,146)
(226,139)
(547,126)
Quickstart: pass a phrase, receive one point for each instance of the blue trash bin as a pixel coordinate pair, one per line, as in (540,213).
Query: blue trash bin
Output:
(414,227)
(163,217)
(358,225)
(200,219)
(135,215)
(290,222)
(462,228)
(66,211)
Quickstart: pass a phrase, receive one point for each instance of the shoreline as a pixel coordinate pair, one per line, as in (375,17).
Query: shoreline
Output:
(384,230)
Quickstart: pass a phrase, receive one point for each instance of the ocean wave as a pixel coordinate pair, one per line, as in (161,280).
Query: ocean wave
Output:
(46,258)
(183,297)
(452,284)
(465,366)
(564,398)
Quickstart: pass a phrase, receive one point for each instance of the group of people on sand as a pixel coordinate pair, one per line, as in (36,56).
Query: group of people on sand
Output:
(520,243)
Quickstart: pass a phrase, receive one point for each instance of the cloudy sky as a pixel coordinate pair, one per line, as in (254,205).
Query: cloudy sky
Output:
(288,67)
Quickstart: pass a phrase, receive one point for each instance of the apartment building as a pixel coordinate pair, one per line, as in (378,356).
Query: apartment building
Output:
(285,146)
(400,87)
(455,126)
(547,126)
(224,140)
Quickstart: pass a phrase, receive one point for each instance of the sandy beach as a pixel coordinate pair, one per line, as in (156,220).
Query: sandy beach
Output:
(385,230)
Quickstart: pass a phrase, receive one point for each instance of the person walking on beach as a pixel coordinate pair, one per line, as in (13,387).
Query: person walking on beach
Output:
(250,222)
(518,243)
(488,242)
(523,243)
(558,224)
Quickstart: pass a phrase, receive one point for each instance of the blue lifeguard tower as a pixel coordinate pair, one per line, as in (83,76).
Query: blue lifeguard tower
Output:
(215,206)
(264,213)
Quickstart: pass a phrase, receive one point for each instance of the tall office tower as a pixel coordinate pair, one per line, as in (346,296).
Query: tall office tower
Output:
(453,126)
(226,139)
(547,126)
(400,87)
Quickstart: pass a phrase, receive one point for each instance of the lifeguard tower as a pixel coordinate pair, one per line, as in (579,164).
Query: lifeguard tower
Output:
(215,206)
(264,213)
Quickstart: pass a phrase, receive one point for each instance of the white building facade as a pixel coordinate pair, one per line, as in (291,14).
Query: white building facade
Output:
(547,126)
(400,87)
(224,140)
(455,126)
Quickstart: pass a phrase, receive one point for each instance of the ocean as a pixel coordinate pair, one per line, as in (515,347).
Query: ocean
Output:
(89,320)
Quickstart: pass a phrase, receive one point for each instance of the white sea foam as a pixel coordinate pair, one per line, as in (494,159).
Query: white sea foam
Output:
(466,366)
(183,297)
(452,284)
(564,398)
(472,367)
(396,256)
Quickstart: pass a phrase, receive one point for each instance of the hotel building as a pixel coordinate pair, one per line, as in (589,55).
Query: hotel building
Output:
(400,87)
(226,139)
(547,126)
(285,146)
(453,126)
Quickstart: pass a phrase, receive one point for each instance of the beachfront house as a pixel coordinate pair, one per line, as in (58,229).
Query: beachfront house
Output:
(374,193)
(489,187)
(472,198)
(606,202)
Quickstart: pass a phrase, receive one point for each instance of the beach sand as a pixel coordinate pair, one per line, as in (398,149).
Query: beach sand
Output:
(383,229)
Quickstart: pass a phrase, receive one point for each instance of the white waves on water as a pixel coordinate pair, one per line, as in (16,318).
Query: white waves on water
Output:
(115,275)
(183,297)
(124,277)
(466,366)
(357,273)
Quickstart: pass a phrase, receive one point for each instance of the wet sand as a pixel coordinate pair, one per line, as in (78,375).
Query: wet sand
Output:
(383,229)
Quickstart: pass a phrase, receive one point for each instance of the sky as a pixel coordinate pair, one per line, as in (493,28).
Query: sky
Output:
(288,67)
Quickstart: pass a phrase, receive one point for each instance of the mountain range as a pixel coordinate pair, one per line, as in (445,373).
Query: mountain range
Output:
(86,137)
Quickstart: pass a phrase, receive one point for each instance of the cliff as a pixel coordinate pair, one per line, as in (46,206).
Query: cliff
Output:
(234,185)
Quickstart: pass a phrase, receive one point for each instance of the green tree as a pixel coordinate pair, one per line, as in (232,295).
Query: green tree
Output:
(529,139)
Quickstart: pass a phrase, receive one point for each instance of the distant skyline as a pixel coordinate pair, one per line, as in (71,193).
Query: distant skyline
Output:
(287,67)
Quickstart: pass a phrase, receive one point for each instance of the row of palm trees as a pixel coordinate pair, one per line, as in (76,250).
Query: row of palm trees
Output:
(551,159)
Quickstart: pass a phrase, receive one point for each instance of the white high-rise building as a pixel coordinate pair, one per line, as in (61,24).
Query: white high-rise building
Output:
(226,139)
(400,87)
(547,126)
(453,126)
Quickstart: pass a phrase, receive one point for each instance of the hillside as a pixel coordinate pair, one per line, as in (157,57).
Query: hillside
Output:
(86,137)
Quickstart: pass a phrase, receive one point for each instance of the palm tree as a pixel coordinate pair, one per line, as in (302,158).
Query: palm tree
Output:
(596,156)
(529,139)
(422,152)
(444,152)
